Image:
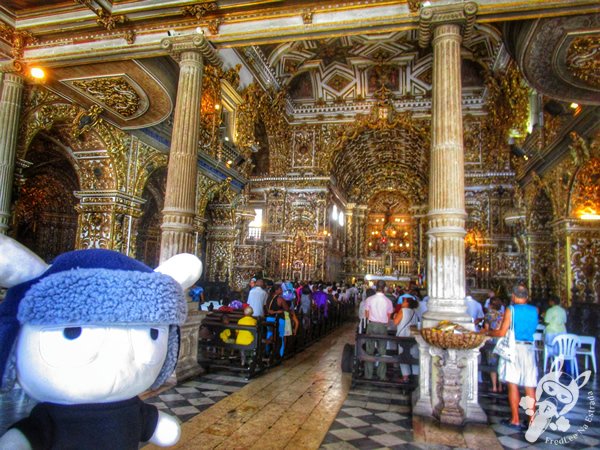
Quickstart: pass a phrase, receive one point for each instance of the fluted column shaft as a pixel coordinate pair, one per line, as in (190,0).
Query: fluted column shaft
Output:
(178,213)
(10,110)
(446,253)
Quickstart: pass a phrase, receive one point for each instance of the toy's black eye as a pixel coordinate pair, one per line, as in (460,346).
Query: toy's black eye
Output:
(72,333)
(154,333)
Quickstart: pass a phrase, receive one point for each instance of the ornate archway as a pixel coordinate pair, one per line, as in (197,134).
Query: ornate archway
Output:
(148,235)
(45,219)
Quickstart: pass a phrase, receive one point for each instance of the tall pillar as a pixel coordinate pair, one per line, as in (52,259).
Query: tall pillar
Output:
(448,378)
(180,209)
(446,215)
(178,231)
(180,197)
(10,110)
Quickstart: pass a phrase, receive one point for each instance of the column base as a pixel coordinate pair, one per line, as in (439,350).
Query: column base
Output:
(187,365)
(448,388)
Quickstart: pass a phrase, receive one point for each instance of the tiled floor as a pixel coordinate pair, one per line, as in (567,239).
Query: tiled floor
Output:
(291,406)
(496,406)
(190,398)
(372,418)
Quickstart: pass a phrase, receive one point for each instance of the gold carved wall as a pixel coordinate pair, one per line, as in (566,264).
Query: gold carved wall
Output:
(111,167)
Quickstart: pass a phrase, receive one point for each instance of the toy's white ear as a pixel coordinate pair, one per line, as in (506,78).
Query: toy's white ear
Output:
(185,268)
(17,263)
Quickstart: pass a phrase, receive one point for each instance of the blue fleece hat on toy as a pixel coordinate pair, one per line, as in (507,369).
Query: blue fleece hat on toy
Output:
(92,287)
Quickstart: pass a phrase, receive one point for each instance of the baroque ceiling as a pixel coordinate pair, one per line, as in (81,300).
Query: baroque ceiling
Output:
(339,77)
(335,62)
(560,56)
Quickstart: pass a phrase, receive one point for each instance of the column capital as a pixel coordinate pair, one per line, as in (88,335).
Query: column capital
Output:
(192,43)
(462,14)
(14,67)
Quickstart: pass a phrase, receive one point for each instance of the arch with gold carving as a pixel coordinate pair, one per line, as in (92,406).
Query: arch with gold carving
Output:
(79,130)
(382,155)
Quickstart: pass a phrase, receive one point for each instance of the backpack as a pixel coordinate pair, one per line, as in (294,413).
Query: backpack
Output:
(289,293)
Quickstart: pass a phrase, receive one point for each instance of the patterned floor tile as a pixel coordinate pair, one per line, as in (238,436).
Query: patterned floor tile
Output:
(366,444)
(389,427)
(347,434)
(390,416)
(387,440)
(352,422)
(356,412)
(183,410)
(192,397)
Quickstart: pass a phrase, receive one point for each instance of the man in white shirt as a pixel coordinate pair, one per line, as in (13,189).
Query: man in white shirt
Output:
(378,309)
(474,310)
(257,297)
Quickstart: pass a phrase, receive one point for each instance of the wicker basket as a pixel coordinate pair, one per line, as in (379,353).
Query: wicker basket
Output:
(452,340)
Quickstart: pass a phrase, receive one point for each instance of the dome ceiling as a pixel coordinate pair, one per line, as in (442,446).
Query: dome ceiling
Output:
(383,156)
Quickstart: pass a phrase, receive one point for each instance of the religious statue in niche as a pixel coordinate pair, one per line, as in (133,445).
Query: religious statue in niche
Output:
(302,156)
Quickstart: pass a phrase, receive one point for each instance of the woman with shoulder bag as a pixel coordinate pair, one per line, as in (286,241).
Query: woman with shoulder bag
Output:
(521,370)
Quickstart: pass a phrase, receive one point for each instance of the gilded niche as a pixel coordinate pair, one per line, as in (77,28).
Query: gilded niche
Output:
(585,197)
(115,92)
(583,59)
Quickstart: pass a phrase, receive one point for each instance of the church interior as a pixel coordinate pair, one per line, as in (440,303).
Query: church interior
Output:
(451,144)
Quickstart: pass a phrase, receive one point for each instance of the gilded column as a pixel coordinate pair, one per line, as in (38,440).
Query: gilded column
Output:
(10,109)
(359,234)
(349,242)
(178,231)
(180,198)
(446,214)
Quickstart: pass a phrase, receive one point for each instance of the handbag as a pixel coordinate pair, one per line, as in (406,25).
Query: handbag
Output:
(506,347)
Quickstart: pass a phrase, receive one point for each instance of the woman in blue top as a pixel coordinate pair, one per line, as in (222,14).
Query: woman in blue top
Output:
(522,370)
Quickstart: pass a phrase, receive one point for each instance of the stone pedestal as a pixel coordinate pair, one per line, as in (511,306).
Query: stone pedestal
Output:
(448,387)
(187,364)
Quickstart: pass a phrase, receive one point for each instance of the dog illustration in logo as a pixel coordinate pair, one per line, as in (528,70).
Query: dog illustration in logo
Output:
(554,398)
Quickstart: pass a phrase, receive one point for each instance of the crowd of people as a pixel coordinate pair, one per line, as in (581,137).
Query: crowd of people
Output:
(394,310)
(289,307)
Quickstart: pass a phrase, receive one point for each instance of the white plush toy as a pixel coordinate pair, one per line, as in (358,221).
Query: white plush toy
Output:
(85,336)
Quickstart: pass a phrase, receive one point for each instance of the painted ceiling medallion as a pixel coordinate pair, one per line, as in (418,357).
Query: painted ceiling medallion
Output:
(118,94)
(583,59)
(338,82)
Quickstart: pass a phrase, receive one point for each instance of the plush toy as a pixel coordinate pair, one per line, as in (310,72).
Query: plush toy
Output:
(85,336)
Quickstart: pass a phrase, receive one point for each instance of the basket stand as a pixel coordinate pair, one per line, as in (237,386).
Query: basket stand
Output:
(448,383)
